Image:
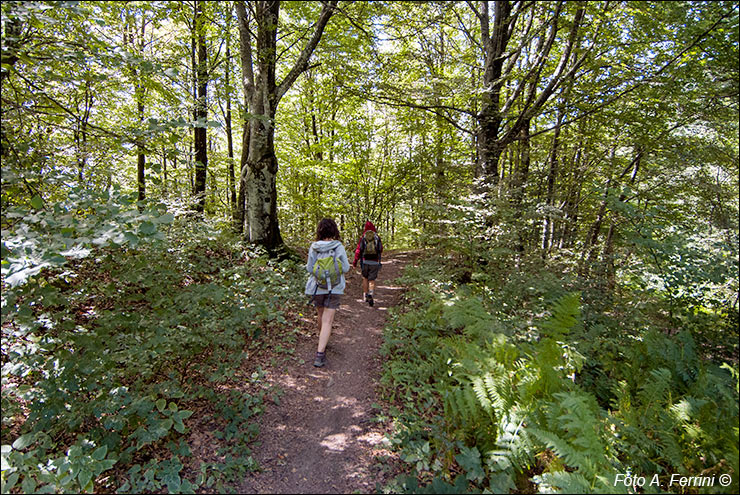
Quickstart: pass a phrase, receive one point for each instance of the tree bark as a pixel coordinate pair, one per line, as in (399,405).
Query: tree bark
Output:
(569,227)
(489,117)
(201,112)
(241,200)
(263,94)
(230,135)
(589,250)
(164,171)
(245,58)
(140,93)
(499,62)
(521,172)
(80,130)
(551,176)
(12,29)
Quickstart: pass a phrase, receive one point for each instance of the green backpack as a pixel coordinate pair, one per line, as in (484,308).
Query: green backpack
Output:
(370,242)
(326,270)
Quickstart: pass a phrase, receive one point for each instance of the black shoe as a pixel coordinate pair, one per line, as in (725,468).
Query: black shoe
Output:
(320,359)
(370,299)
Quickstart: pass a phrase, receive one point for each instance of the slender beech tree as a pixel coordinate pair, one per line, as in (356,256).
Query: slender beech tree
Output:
(201,110)
(83,108)
(263,93)
(133,37)
(227,120)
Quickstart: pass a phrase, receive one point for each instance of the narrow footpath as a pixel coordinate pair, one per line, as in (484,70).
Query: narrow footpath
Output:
(321,436)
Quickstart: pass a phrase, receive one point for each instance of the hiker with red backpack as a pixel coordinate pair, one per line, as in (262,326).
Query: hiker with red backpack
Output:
(368,254)
(327,264)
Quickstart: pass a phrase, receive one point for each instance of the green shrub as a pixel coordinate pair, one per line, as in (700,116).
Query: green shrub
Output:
(106,352)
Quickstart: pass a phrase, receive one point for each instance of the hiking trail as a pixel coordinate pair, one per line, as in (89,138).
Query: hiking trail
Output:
(320,436)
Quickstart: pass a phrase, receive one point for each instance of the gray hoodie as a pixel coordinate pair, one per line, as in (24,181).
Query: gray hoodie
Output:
(316,247)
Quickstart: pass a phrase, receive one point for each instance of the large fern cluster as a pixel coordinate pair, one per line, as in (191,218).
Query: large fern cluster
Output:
(556,401)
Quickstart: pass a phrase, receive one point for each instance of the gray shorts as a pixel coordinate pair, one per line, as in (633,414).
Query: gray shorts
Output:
(370,272)
(330,301)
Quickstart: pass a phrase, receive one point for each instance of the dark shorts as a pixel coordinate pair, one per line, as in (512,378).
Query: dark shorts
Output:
(370,272)
(330,301)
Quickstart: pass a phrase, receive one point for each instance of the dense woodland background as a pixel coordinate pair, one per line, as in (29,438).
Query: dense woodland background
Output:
(569,171)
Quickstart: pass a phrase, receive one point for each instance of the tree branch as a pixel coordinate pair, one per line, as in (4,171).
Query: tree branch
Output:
(435,109)
(639,84)
(475,11)
(302,63)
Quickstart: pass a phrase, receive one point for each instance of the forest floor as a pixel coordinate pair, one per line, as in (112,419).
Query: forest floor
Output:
(321,434)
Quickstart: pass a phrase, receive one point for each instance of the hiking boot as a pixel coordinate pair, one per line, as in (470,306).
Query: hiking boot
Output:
(320,359)
(370,299)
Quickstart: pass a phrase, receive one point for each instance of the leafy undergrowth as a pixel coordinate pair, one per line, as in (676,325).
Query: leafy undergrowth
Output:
(129,370)
(527,384)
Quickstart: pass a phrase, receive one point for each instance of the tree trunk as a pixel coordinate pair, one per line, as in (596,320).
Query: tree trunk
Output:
(490,147)
(12,28)
(262,164)
(201,112)
(552,174)
(245,57)
(499,62)
(521,172)
(607,258)
(589,252)
(573,196)
(164,171)
(230,139)
(80,132)
(130,34)
(262,189)
(140,94)
(241,201)
(140,168)
(230,177)
(263,95)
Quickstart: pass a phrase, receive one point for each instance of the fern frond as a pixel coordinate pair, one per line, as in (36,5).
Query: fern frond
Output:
(462,407)
(481,392)
(500,396)
(502,351)
(562,481)
(656,390)
(515,447)
(622,398)
(687,408)
(561,447)
(461,313)
(566,313)
(580,422)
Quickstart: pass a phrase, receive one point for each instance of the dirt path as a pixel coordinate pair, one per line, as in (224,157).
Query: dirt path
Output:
(321,437)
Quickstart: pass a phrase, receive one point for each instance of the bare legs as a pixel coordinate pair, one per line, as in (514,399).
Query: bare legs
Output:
(326,319)
(368,286)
